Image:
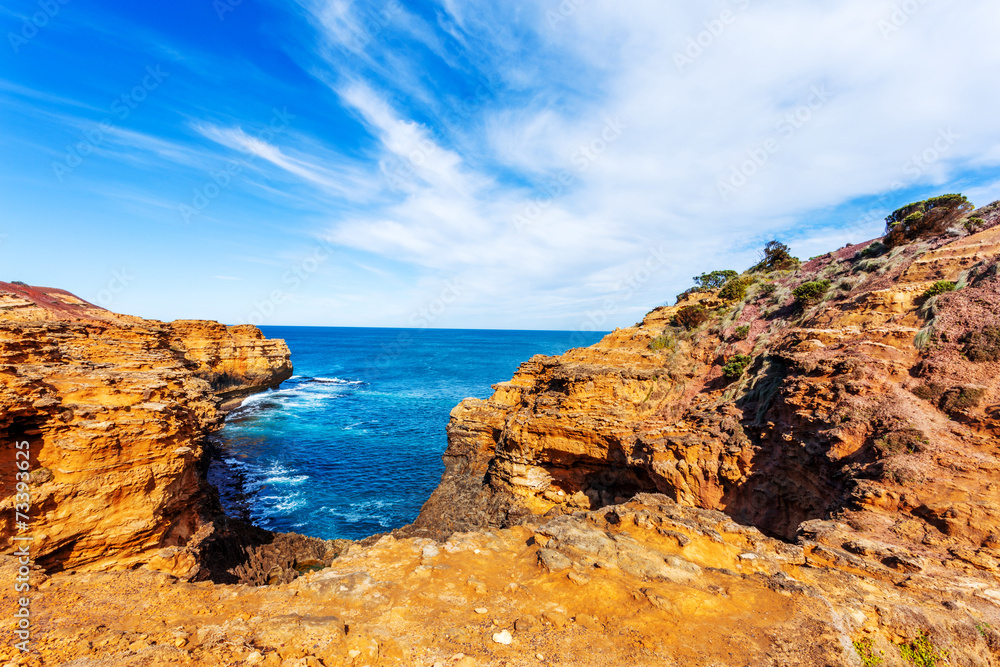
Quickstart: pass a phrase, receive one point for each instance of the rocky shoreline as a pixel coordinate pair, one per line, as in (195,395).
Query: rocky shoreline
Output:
(798,469)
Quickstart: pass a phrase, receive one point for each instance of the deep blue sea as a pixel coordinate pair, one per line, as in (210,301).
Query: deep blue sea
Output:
(351,445)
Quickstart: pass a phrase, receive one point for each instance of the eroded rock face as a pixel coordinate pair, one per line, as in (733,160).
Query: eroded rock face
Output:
(823,420)
(236,361)
(115,411)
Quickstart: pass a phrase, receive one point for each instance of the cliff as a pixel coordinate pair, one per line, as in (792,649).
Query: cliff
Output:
(116,411)
(798,468)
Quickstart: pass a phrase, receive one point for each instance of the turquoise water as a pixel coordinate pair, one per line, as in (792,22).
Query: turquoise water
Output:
(351,445)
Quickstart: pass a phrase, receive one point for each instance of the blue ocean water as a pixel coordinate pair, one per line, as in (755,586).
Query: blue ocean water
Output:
(351,445)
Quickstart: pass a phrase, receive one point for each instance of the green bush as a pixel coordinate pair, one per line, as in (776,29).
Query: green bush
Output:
(865,649)
(664,342)
(714,280)
(736,366)
(924,219)
(811,292)
(742,332)
(922,652)
(940,287)
(875,249)
(18,282)
(691,317)
(973,225)
(766,289)
(775,256)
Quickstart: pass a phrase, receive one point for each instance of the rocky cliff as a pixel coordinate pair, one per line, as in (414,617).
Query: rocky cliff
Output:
(799,468)
(115,411)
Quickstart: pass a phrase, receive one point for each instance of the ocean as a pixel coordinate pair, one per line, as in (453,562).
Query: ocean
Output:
(351,445)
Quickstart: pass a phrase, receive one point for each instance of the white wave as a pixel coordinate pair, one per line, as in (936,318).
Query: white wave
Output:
(366,511)
(336,380)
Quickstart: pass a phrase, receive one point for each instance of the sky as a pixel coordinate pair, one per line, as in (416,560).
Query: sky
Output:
(548,164)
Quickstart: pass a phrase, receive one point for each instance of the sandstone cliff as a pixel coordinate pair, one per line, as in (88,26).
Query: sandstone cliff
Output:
(116,410)
(783,480)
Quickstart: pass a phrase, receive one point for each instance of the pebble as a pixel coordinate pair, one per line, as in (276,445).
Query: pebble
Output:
(502,637)
(430,551)
(481,610)
(539,656)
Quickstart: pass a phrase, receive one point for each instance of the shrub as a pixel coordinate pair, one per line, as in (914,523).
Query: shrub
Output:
(714,280)
(875,249)
(691,317)
(664,342)
(929,392)
(865,649)
(983,345)
(775,256)
(736,366)
(962,398)
(940,287)
(924,219)
(735,289)
(922,652)
(18,282)
(766,289)
(907,440)
(811,292)
(742,332)
(973,225)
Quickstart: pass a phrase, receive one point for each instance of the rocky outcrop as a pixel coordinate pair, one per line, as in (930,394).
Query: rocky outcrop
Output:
(789,481)
(115,411)
(236,361)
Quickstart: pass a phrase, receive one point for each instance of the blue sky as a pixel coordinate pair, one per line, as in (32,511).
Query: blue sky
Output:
(549,165)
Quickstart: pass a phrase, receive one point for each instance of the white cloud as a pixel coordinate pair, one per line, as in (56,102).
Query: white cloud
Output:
(817,104)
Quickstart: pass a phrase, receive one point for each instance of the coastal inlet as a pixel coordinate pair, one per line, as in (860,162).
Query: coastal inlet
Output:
(351,445)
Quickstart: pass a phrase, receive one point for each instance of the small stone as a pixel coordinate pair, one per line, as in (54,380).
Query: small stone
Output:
(553,560)
(555,618)
(354,653)
(523,624)
(577,578)
(180,642)
(481,610)
(438,664)
(430,551)
(502,637)
(254,658)
(539,656)
(748,556)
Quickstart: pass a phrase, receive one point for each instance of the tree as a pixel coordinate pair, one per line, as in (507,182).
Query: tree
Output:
(924,219)
(775,256)
(714,280)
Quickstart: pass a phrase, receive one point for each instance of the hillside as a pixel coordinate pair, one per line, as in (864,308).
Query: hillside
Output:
(795,465)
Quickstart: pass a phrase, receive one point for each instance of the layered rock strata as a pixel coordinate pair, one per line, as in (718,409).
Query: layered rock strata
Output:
(115,411)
